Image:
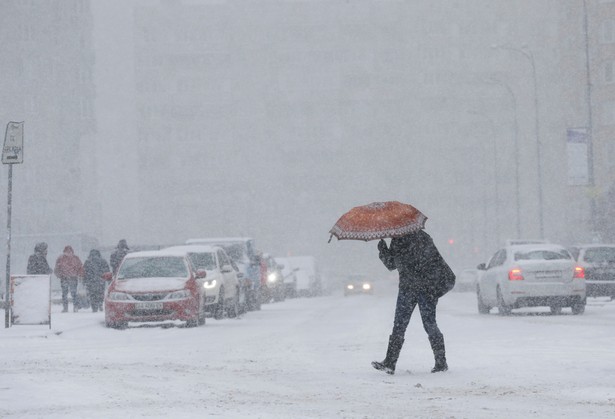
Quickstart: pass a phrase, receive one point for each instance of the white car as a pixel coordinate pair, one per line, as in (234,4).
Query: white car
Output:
(466,280)
(221,283)
(531,275)
(598,260)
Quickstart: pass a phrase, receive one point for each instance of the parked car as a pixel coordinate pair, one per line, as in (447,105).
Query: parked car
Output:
(598,260)
(222,290)
(273,287)
(531,275)
(466,280)
(358,285)
(156,286)
(243,253)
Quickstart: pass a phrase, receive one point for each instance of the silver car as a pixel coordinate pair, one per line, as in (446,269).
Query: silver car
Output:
(598,261)
(531,275)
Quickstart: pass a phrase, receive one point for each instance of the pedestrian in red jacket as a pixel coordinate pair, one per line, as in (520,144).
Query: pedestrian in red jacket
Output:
(69,270)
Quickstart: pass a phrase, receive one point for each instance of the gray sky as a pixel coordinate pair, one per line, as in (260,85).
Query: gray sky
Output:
(299,110)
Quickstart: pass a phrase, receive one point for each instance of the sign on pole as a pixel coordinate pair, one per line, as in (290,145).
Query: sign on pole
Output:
(576,146)
(30,299)
(12,153)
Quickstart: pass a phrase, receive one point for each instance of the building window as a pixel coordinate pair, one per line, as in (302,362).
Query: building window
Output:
(608,113)
(608,31)
(608,72)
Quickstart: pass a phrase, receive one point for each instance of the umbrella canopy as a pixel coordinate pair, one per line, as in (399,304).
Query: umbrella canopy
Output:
(378,220)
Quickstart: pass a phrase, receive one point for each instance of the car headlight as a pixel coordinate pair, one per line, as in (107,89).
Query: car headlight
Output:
(367,287)
(210,284)
(272,277)
(178,295)
(350,286)
(119,296)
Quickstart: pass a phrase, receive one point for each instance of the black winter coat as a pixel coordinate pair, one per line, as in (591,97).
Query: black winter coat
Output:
(420,265)
(95,266)
(37,265)
(117,257)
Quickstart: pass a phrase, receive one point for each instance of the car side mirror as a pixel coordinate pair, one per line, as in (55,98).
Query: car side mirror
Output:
(226,269)
(481,267)
(239,275)
(107,276)
(201,273)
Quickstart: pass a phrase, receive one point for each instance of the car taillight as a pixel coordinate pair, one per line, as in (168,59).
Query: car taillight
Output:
(515,274)
(579,272)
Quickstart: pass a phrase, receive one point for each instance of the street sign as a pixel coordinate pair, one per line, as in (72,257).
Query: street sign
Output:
(12,152)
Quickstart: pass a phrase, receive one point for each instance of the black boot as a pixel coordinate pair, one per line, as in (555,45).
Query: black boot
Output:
(388,365)
(439,353)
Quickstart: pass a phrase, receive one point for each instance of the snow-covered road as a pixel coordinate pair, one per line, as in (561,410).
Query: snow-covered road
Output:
(310,358)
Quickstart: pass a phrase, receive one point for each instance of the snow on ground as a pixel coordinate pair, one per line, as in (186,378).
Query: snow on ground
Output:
(310,358)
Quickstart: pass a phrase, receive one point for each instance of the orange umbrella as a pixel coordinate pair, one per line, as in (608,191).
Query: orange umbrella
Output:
(378,220)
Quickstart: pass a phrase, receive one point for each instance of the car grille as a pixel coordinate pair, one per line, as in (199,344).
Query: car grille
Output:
(148,297)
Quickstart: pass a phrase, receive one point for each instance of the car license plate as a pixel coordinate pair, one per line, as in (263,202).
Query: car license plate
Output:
(548,274)
(149,305)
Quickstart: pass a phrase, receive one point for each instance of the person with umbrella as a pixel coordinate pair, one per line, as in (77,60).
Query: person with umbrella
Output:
(424,276)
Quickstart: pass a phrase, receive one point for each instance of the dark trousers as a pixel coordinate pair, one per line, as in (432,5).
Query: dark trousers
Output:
(407,300)
(69,284)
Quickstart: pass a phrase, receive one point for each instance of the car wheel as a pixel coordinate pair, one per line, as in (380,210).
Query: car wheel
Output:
(201,319)
(503,308)
(482,307)
(219,310)
(233,309)
(116,325)
(556,310)
(578,308)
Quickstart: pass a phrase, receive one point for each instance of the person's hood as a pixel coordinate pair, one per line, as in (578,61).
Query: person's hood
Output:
(68,250)
(40,247)
(94,254)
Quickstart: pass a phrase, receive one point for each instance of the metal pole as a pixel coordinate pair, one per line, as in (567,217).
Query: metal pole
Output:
(590,141)
(517,154)
(495,174)
(8,248)
(528,54)
(538,146)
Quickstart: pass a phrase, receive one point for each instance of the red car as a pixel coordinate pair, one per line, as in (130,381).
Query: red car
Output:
(155,286)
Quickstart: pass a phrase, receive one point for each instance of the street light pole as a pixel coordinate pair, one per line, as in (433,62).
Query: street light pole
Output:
(528,54)
(590,124)
(495,173)
(517,158)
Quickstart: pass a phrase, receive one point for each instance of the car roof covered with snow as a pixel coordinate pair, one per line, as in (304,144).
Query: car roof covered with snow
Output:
(156,253)
(194,248)
(214,240)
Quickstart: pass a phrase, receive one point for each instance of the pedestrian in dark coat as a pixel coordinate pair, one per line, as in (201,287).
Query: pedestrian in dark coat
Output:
(69,269)
(95,266)
(424,277)
(117,256)
(37,262)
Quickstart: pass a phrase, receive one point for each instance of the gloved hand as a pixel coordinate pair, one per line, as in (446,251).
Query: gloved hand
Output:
(382,246)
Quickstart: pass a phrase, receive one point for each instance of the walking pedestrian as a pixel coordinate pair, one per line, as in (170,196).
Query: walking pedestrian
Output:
(117,256)
(424,277)
(69,270)
(94,268)
(37,262)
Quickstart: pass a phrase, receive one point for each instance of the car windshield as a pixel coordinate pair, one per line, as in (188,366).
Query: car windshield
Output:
(600,254)
(205,261)
(542,254)
(237,252)
(153,267)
